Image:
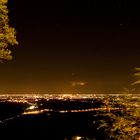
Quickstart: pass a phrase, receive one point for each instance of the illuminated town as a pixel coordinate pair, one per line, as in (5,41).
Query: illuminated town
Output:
(120,108)
(53,53)
(33,108)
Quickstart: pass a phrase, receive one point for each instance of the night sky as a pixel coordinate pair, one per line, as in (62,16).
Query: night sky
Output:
(72,46)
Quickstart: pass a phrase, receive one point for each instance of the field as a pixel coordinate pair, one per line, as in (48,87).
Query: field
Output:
(71,117)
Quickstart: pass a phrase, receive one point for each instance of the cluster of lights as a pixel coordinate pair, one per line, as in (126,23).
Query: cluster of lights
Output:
(31,100)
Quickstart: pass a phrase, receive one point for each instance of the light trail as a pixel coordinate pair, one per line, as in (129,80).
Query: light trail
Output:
(69,111)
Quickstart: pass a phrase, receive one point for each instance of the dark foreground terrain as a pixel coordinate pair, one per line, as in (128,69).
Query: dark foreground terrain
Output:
(70,117)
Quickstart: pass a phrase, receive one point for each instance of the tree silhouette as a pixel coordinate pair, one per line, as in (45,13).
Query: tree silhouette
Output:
(137,75)
(7,33)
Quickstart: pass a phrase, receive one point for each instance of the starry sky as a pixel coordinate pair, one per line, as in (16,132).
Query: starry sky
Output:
(72,46)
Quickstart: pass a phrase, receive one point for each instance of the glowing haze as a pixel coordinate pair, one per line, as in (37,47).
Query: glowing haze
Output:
(72,47)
